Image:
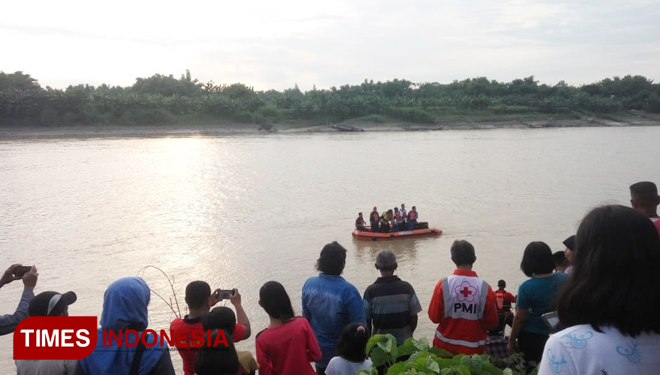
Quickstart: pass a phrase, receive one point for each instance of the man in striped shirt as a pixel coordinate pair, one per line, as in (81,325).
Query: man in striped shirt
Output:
(390,304)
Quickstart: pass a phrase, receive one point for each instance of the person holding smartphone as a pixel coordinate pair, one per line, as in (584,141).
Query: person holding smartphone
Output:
(200,300)
(29,276)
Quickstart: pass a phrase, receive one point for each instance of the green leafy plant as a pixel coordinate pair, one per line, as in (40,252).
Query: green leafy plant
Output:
(418,357)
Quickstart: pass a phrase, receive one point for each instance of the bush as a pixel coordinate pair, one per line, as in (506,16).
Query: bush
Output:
(269,111)
(654,104)
(244,117)
(424,359)
(146,117)
(416,115)
(373,118)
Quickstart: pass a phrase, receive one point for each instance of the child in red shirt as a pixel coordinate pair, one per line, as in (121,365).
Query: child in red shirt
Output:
(288,345)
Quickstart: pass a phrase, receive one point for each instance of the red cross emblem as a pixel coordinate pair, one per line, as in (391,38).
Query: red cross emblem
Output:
(465,292)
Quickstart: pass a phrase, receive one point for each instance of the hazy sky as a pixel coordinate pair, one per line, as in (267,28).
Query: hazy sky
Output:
(275,44)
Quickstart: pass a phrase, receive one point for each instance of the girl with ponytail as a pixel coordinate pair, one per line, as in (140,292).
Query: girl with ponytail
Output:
(351,348)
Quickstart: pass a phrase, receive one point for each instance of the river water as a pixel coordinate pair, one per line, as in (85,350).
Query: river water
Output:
(238,211)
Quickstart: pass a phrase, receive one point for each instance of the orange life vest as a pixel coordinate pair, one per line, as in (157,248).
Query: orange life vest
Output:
(499,300)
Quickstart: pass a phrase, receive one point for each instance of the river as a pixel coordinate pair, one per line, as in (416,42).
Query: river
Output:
(238,211)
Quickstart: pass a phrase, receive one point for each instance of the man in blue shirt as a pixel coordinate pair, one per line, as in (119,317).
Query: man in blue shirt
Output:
(330,303)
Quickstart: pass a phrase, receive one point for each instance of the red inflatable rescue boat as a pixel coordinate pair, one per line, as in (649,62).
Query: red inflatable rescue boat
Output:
(378,236)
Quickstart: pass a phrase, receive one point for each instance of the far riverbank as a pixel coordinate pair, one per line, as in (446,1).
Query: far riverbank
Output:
(298,127)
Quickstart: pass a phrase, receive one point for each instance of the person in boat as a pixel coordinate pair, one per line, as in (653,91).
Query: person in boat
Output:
(404,217)
(412,218)
(389,216)
(359,222)
(374,218)
(385,222)
(396,220)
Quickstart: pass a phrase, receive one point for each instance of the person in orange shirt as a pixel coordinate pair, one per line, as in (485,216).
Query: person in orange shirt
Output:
(504,300)
(463,306)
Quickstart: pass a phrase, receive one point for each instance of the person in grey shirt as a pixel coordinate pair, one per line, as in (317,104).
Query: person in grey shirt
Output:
(9,322)
(48,304)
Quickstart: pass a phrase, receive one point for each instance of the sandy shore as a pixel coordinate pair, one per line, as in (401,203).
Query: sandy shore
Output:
(122,131)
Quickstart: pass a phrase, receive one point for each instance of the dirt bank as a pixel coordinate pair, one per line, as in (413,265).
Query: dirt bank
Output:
(122,131)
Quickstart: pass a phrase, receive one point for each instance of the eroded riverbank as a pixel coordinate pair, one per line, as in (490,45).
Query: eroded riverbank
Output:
(230,128)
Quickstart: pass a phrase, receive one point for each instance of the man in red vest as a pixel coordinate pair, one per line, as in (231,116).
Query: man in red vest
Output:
(463,306)
(503,300)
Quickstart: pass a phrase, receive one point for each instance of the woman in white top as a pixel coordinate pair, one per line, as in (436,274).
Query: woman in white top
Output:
(351,348)
(612,300)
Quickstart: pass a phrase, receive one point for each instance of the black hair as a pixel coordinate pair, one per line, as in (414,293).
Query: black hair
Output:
(537,259)
(559,259)
(276,301)
(221,359)
(352,344)
(645,194)
(332,259)
(197,294)
(462,253)
(220,318)
(615,281)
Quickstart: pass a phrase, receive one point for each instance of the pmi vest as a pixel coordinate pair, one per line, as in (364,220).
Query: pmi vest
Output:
(464,297)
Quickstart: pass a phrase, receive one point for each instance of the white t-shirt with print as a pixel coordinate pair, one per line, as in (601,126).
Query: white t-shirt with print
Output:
(582,350)
(340,366)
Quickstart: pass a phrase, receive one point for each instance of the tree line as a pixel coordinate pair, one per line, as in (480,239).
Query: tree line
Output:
(162,99)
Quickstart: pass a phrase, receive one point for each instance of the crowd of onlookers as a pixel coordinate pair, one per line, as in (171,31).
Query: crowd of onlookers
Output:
(593,310)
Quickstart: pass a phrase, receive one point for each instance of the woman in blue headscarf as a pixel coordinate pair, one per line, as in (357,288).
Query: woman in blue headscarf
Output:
(125,307)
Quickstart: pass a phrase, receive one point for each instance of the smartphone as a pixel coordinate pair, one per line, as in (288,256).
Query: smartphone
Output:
(224,294)
(22,270)
(552,321)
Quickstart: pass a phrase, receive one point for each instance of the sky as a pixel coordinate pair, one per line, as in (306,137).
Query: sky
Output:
(277,44)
